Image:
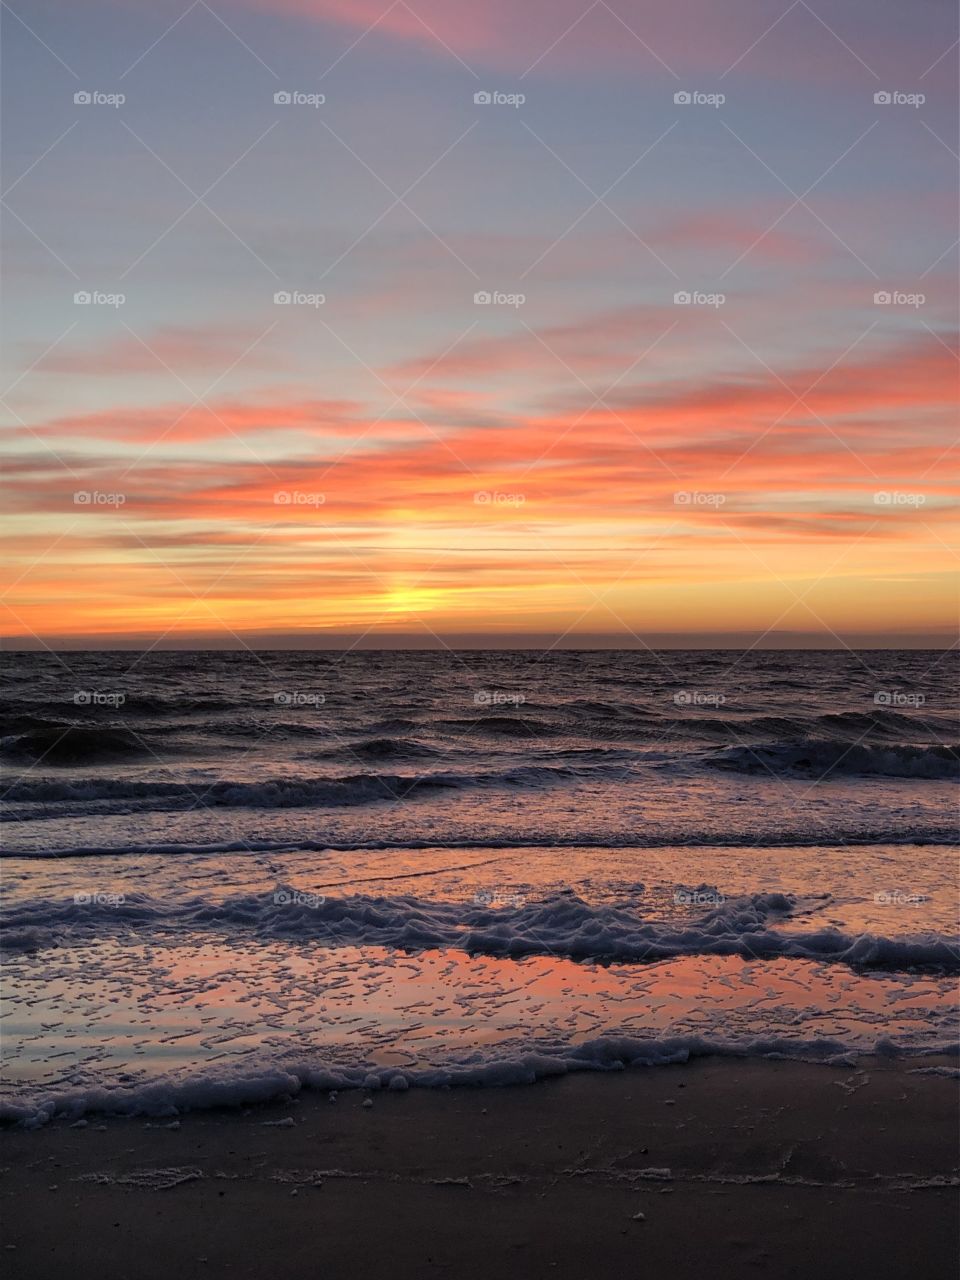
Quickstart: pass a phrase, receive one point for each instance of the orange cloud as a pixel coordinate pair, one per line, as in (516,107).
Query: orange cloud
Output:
(316,511)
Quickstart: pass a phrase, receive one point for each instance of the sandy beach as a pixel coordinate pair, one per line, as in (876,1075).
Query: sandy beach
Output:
(715,1167)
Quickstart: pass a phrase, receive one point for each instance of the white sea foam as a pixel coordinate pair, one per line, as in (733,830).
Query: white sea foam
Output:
(561,924)
(174,1094)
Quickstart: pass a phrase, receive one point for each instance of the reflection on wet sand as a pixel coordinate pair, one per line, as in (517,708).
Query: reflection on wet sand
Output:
(121,1013)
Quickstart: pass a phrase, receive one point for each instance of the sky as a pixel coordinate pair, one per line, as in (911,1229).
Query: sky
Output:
(338,322)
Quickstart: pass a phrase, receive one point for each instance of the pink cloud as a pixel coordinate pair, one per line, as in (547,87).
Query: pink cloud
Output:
(687,35)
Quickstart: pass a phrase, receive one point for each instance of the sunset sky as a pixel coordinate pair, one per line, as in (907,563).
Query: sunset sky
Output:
(583,459)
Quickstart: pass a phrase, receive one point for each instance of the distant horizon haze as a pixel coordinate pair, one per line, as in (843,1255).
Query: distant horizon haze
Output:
(513,641)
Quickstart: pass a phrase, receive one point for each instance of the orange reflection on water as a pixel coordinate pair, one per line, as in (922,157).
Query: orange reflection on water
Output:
(117,1010)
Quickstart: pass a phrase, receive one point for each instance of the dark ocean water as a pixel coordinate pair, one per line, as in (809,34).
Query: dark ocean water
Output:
(119,751)
(230,875)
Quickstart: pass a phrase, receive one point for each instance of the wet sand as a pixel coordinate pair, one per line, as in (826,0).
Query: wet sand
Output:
(717,1168)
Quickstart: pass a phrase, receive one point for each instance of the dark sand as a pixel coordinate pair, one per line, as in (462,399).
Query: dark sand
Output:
(775,1169)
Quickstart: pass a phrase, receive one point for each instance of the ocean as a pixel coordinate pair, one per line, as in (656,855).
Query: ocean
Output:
(231,875)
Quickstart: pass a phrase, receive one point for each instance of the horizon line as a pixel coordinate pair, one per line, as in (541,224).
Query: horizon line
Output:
(496,642)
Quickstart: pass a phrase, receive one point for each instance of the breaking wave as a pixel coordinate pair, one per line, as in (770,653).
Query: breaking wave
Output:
(278,793)
(284,1078)
(560,925)
(830,758)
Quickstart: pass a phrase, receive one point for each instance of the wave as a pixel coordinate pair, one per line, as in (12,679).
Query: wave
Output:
(868,837)
(32,727)
(502,726)
(615,712)
(13,725)
(285,1077)
(392,726)
(562,924)
(828,758)
(382,749)
(883,723)
(74,744)
(280,793)
(272,793)
(128,702)
(851,727)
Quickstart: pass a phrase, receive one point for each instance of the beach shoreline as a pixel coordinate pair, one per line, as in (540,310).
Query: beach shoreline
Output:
(715,1166)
